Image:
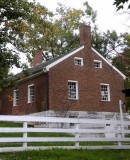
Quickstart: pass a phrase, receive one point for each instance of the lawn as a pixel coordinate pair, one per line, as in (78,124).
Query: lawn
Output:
(34,134)
(56,154)
(59,154)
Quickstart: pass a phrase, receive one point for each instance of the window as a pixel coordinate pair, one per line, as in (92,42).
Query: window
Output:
(31,93)
(15,98)
(72,89)
(78,61)
(97,64)
(105,92)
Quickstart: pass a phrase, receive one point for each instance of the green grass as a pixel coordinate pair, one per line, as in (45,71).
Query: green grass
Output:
(46,134)
(56,154)
(10,124)
(33,134)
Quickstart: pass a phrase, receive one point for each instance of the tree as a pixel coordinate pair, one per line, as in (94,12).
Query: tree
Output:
(107,44)
(122,60)
(68,22)
(120,4)
(28,27)
(12,15)
(58,35)
(11,18)
(14,19)
(38,30)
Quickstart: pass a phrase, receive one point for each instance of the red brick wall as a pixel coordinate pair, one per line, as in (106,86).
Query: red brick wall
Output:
(89,79)
(51,89)
(39,104)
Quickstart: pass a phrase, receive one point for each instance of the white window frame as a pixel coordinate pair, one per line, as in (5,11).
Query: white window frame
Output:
(29,94)
(78,59)
(99,62)
(105,93)
(15,97)
(70,92)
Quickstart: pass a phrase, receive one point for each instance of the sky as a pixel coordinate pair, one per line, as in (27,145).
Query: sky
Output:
(107,17)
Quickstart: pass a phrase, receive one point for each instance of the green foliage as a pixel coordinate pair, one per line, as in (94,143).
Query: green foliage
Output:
(38,30)
(16,16)
(57,35)
(127,84)
(90,13)
(119,63)
(127,103)
(120,4)
(127,99)
(12,15)
(107,43)
(28,26)
(122,60)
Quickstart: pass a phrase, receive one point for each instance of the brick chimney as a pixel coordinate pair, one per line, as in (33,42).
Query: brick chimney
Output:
(85,35)
(37,59)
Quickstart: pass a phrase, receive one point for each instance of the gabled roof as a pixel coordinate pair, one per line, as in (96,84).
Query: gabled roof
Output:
(51,63)
(63,58)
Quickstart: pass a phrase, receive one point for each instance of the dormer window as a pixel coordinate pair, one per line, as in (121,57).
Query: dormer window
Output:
(97,64)
(78,61)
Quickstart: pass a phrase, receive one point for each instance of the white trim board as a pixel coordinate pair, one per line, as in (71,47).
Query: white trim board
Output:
(63,58)
(124,77)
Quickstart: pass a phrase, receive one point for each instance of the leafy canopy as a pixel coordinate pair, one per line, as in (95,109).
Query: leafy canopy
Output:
(28,26)
(14,19)
(120,4)
(59,34)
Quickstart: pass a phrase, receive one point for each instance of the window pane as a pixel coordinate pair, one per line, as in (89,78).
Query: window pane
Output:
(72,90)
(30,93)
(78,61)
(97,64)
(15,102)
(105,93)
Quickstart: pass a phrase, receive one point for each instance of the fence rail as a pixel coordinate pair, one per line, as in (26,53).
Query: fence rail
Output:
(55,132)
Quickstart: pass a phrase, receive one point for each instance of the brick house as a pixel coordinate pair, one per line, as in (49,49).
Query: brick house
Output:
(81,80)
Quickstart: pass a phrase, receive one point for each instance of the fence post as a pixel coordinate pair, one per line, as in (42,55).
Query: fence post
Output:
(25,134)
(121,127)
(119,134)
(77,135)
(121,117)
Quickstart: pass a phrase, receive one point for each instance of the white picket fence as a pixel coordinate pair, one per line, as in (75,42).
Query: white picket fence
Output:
(91,132)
